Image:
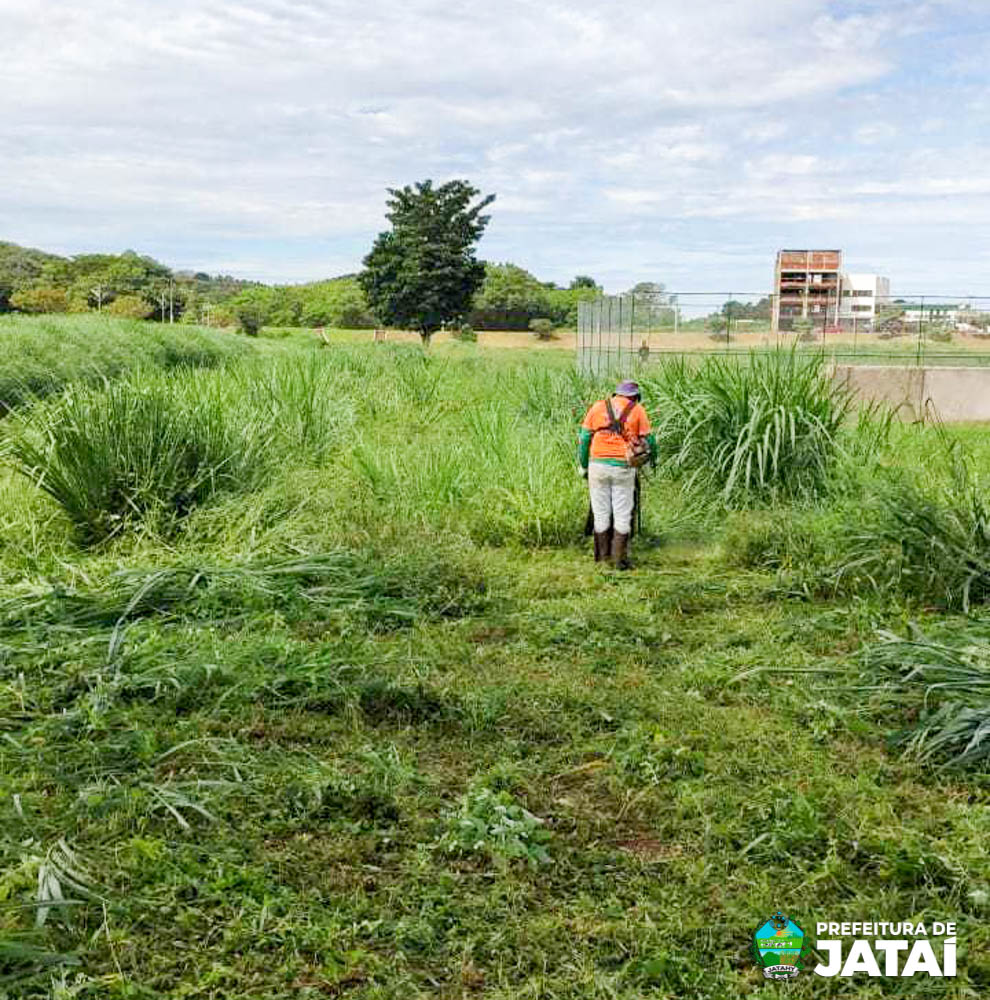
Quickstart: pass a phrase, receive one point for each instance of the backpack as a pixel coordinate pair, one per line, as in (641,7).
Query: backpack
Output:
(637,450)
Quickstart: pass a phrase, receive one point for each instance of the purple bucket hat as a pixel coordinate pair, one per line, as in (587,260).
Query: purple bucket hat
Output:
(627,388)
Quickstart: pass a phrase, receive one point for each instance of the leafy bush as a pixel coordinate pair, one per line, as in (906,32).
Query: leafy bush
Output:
(149,445)
(751,428)
(466,333)
(542,328)
(129,307)
(41,300)
(250,317)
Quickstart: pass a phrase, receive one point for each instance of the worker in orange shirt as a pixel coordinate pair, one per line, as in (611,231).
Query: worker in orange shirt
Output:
(615,439)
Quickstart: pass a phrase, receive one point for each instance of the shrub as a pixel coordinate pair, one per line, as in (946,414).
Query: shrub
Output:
(466,333)
(756,427)
(717,326)
(40,300)
(542,328)
(250,317)
(148,446)
(129,307)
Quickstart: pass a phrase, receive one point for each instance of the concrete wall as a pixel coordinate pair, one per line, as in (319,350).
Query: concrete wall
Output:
(949,394)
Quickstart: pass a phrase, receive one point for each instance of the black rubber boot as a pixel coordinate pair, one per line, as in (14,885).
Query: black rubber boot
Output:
(620,551)
(603,545)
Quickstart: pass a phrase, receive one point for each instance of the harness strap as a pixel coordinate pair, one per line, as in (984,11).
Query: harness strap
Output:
(617,424)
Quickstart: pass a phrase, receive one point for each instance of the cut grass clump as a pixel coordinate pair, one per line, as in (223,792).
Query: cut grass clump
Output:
(929,539)
(943,686)
(752,429)
(151,447)
(331,589)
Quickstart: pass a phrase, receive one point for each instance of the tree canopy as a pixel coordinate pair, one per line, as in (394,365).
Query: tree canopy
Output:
(584,281)
(422,273)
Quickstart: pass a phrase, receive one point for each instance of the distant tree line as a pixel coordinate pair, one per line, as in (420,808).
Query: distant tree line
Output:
(510,298)
(132,285)
(125,284)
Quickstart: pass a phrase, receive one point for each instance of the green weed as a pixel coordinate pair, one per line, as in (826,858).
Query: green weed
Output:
(928,536)
(493,825)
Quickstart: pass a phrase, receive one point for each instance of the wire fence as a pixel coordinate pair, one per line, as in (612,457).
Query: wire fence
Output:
(621,332)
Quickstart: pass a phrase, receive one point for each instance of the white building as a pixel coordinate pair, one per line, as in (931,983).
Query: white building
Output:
(861,297)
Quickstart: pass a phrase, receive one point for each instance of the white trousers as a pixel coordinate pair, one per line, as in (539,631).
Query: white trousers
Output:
(612,488)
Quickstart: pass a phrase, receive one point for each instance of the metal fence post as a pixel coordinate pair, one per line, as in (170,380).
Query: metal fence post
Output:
(921,335)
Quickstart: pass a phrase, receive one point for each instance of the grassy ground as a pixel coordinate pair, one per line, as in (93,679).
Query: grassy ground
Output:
(843,348)
(43,354)
(379,728)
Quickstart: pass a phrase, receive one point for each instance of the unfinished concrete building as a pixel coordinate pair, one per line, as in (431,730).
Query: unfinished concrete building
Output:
(807,287)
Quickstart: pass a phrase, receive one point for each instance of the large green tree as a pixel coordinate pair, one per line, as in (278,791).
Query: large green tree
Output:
(422,273)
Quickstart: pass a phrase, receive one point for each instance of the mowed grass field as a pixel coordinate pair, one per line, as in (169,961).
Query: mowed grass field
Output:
(309,686)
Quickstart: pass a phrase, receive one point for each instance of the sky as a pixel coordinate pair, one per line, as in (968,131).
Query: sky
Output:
(633,141)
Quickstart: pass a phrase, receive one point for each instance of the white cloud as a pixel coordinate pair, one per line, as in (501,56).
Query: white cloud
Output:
(875,132)
(265,132)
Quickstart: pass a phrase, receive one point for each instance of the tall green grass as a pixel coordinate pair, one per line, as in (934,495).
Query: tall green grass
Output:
(414,440)
(41,355)
(148,447)
(927,533)
(759,428)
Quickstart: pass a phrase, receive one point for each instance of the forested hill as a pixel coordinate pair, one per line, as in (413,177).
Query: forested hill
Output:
(20,267)
(133,285)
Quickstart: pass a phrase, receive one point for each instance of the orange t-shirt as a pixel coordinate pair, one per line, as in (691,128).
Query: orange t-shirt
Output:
(606,444)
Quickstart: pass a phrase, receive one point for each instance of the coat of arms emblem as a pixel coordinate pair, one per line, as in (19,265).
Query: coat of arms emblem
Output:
(777,945)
